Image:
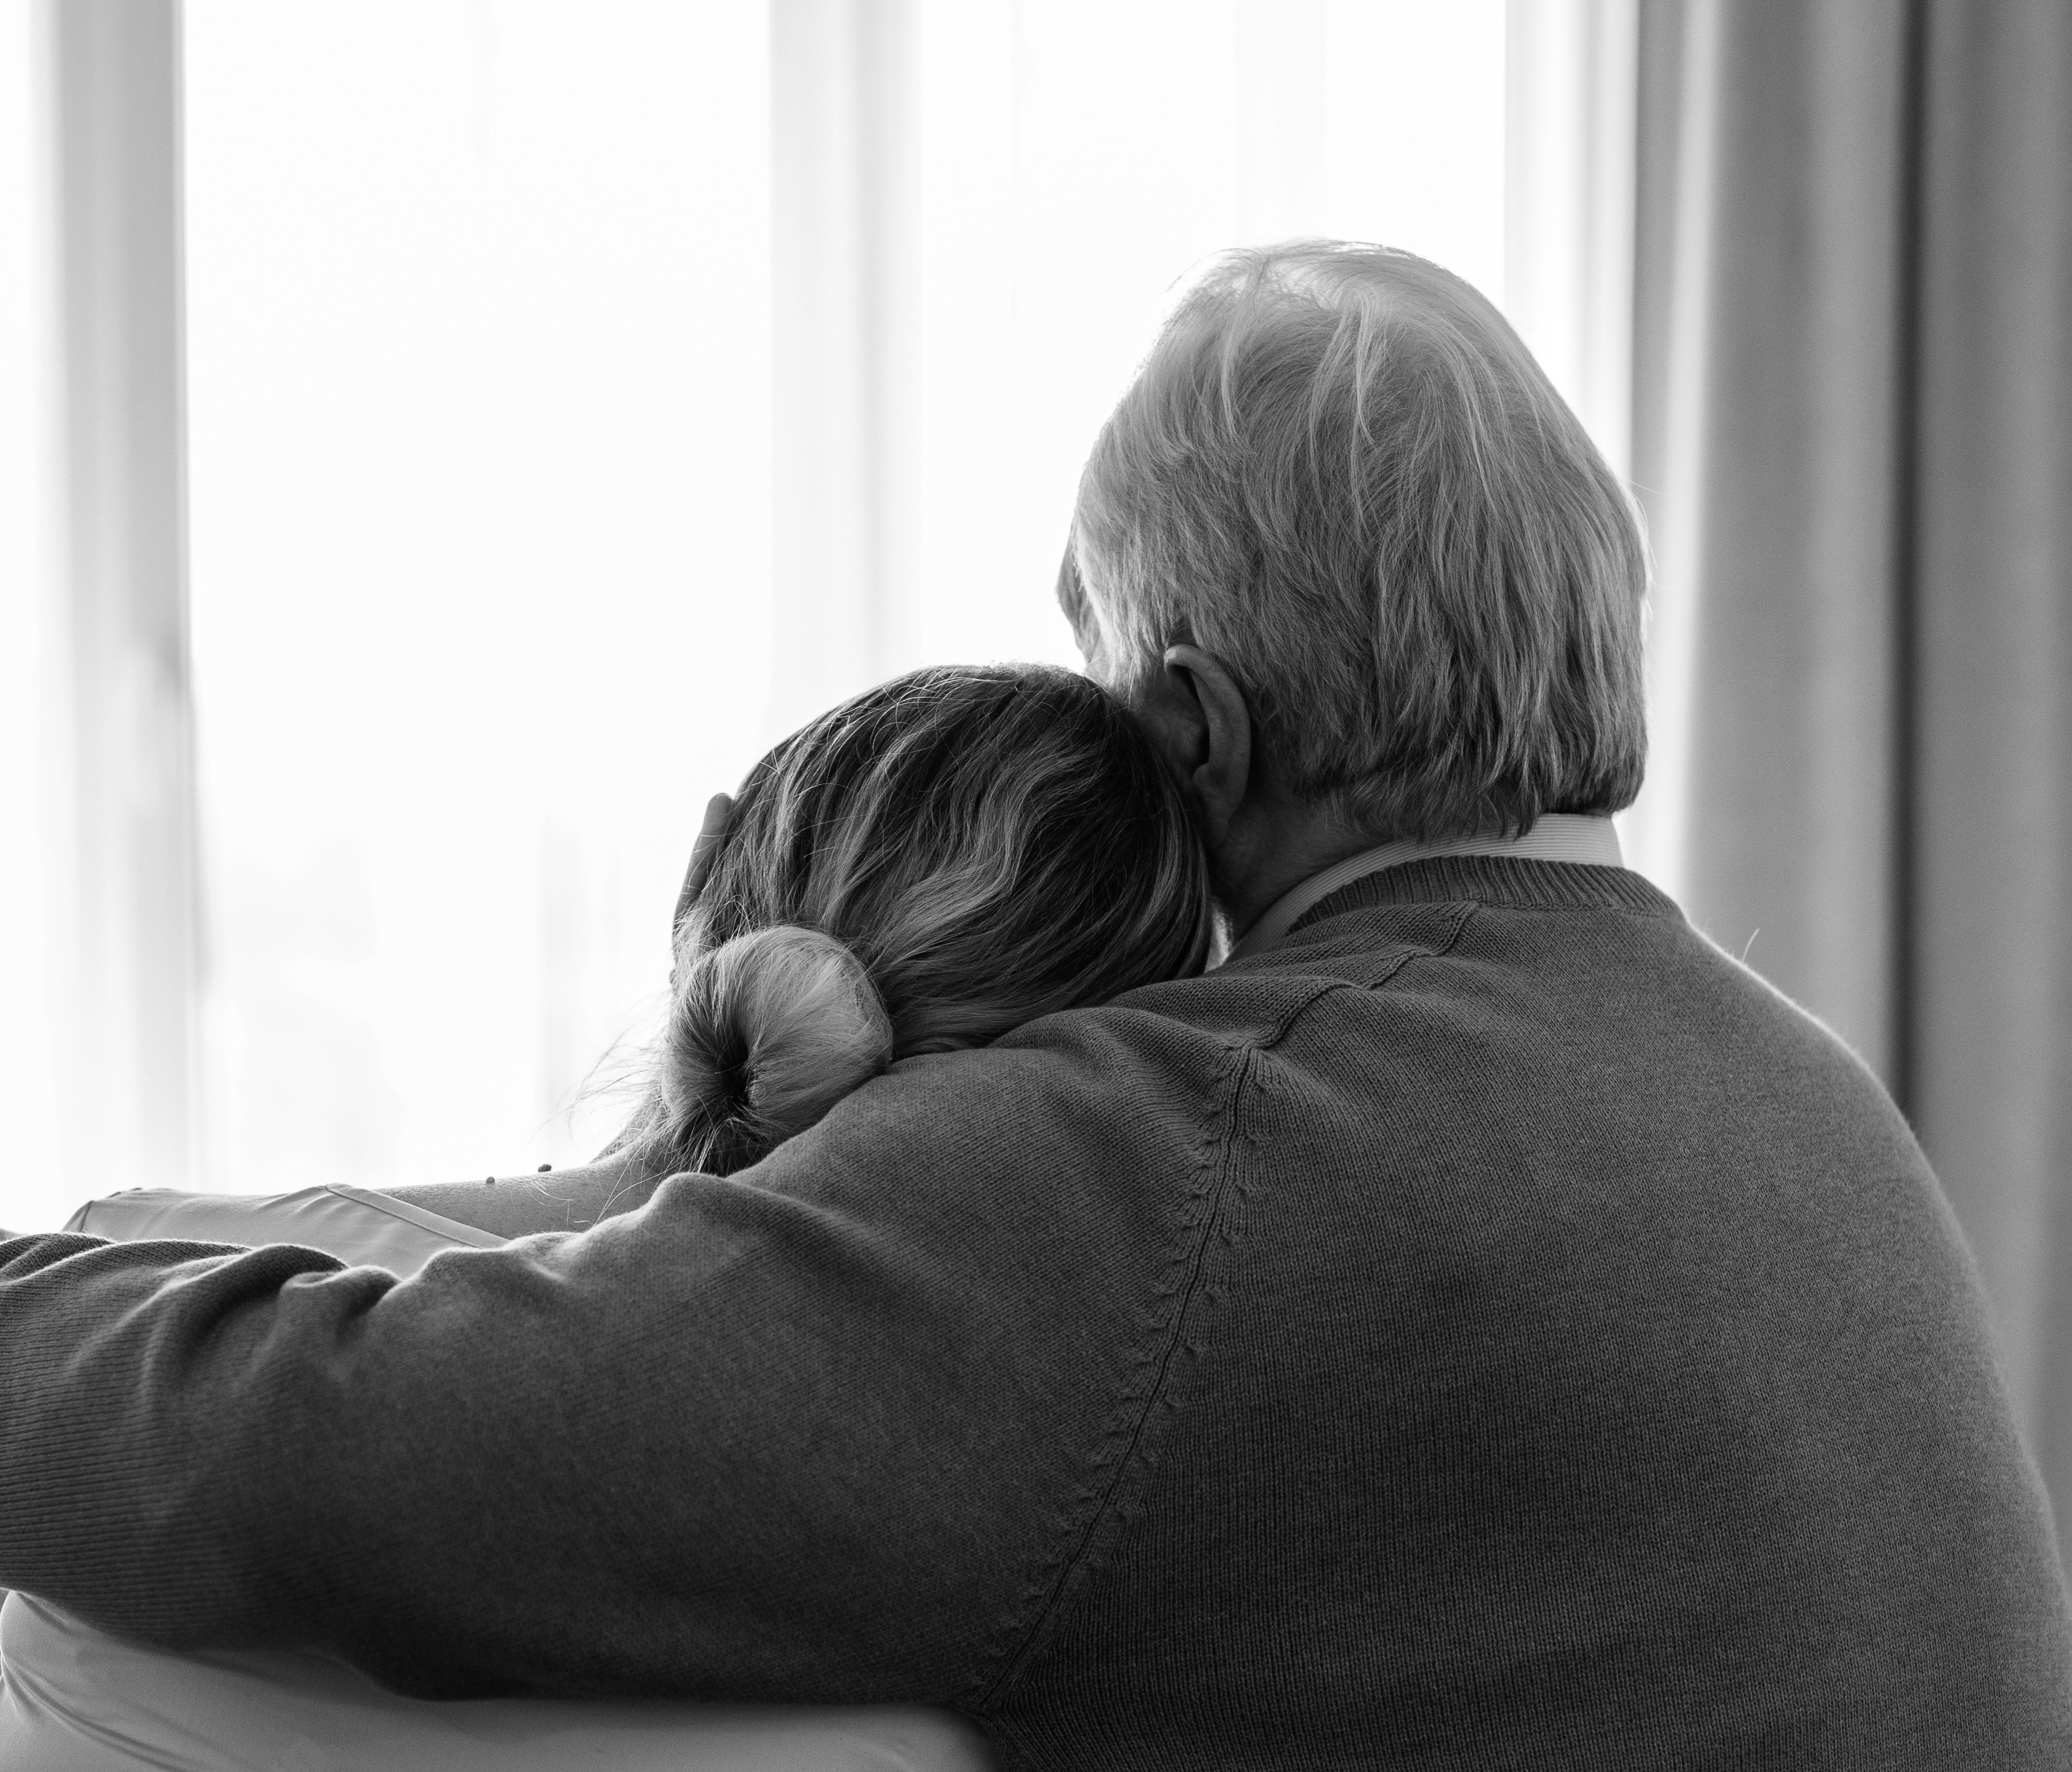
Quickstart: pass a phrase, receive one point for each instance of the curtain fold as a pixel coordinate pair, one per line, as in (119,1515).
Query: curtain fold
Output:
(844,295)
(1990,1081)
(121,888)
(1853,441)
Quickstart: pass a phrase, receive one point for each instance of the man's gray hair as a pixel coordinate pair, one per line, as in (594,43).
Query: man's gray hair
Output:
(1341,472)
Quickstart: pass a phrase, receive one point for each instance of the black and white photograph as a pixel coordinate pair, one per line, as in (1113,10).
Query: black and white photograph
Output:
(1035,885)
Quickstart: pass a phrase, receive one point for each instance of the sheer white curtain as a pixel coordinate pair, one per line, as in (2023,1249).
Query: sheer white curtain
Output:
(580,395)
(99,907)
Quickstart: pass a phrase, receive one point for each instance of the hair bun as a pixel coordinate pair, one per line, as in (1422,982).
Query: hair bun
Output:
(768,1033)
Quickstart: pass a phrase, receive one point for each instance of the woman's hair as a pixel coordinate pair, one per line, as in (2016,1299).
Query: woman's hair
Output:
(936,861)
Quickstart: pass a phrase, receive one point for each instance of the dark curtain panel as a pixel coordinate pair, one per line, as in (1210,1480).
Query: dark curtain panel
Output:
(1853,439)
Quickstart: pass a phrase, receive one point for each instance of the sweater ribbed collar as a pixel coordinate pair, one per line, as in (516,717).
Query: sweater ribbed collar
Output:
(1573,838)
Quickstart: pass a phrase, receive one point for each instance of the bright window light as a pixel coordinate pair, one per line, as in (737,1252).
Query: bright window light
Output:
(478,369)
(480,363)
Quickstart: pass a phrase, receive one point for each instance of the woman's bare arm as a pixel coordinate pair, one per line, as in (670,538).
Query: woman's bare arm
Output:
(516,1205)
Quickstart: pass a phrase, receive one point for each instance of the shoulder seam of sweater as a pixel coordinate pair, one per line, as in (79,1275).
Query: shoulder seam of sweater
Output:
(1463,914)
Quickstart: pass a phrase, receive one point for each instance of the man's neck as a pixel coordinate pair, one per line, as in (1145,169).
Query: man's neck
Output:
(1271,850)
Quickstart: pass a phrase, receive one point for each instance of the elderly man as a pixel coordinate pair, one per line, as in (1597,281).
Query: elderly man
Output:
(1480,1324)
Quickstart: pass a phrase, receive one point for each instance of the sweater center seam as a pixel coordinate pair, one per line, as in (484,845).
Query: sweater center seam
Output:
(1082,1554)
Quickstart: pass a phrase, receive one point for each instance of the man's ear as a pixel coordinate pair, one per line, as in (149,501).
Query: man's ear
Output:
(1197,717)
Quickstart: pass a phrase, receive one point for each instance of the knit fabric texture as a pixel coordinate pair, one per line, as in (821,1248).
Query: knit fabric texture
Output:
(1494,1328)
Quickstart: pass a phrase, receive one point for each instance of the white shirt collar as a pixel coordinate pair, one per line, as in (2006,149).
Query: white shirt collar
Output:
(1557,836)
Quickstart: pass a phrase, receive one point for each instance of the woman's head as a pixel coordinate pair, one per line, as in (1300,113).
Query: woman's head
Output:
(941,859)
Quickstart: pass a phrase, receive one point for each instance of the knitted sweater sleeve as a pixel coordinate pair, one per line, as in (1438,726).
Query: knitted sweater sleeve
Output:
(827,1430)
